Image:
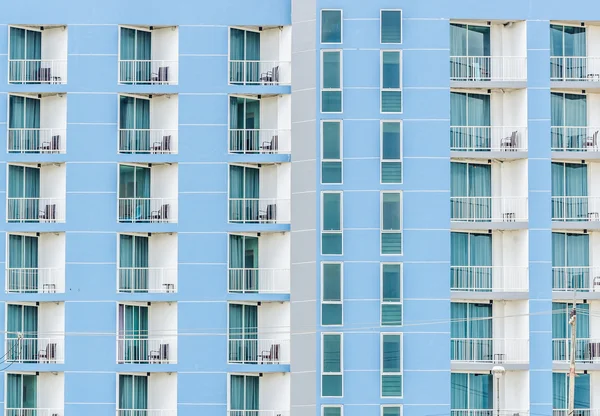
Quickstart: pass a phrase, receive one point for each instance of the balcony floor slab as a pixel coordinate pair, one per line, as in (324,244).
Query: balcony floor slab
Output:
(568,296)
(258,297)
(576,85)
(583,155)
(258,368)
(494,155)
(505,85)
(489,225)
(581,366)
(262,158)
(487,366)
(458,295)
(576,225)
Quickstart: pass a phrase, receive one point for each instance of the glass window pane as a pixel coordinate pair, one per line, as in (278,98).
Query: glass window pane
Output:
(390,140)
(331,353)
(391,211)
(331,140)
(391,21)
(391,243)
(391,411)
(391,314)
(331,385)
(392,354)
(331,69)
(332,101)
(334,411)
(391,101)
(391,69)
(391,282)
(331,243)
(332,211)
(391,172)
(391,386)
(478,40)
(331,26)
(331,314)
(331,172)
(332,277)
(458,40)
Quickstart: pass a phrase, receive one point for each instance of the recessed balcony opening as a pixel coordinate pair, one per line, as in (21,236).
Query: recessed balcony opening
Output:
(37,54)
(260,55)
(574,264)
(252,394)
(575,193)
(147,263)
(147,394)
(148,124)
(587,399)
(37,123)
(574,52)
(148,193)
(36,192)
(575,121)
(147,333)
(148,55)
(35,394)
(35,263)
(587,343)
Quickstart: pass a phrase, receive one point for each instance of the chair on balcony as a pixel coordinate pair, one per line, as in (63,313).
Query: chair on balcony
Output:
(49,213)
(161,214)
(48,354)
(161,355)
(270,77)
(271,356)
(269,214)
(591,143)
(510,142)
(272,146)
(162,76)
(163,146)
(52,146)
(44,74)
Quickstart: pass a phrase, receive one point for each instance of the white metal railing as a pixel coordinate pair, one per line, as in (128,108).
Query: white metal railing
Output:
(575,208)
(35,280)
(574,68)
(35,350)
(36,140)
(576,412)
(488,138)
(147,279)
(33,412)
(487,208)
(35,209)
(146,412)
(154,141)
(586,350)
(260,72)
(277,141)
(576,278)
(489,279)
(259,351)
(148,72)
(488,68)
(575,138)
(37,71)
(147,210)
(491,350)
(489,412)
(244,280)
(146,350)
(259,210)
(259,413)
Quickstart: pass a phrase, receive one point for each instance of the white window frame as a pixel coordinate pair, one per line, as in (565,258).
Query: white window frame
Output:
(341,159)
(381,89)
(341,26)
(229,388)
(382,160)
(382,373)
(341,87)
(381,302)
(341,230)
(341,373)
(382,230)
(381,26)
(332,302)
(393,405)
(141,29)
(341,407)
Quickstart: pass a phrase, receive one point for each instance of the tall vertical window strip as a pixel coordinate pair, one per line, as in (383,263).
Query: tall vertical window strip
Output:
(391,294)
(331,233)
(391,152)
(391,223)
(391,82)
(331,295)
(331,26)
(391,26)
(391,365)
(331,381)
(331,82)
(331,164)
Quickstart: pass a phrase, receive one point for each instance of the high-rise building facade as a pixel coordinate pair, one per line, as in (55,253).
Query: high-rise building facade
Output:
(299,207)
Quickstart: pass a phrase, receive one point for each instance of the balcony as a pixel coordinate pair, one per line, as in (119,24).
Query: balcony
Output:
(148,124)
(152,394)
(488,139)
(37,123)
(587,350)
(257,389)
(33,412)
(489,279)
(41,349)
(261,413)
(578,279)
(260,141)
(259,351)
(148,55)
(38,55)
(490,350)
(488,68)
(146,412)
(489,209)
(489,412)
(260,55)
(575,208)
(576,412)
(48,389)
(147,193)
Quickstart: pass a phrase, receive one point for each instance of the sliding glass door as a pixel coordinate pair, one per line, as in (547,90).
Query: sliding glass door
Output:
(561,331)
(23,193)
(472,392)
(471,261)
(569,192)
(22,263)
(134,192)
(134,124)
(244,56)
(571,260)
(22,320)
(244,125)
(569,120)
(21,393)
(133,330)
(243,333)
(470,121)
(560,392)
(243,395)
(243,264)
(568,52)
(471,332)
(135,56)
(25,55)
(471,191)
(23,124)
(133,263)
(244,193)
(133,393)
(469,52)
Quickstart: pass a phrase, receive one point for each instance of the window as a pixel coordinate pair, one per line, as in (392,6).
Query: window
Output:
(568,119)
(332,411)
(471,331)
(471,391)
(567,53)
(561,331)
(391,26)
(570,262)
(331,380)
(331,147)
(391,152)
(388,410)
(331,26)
(391,365)
(391,223)
(331,223)
(569,192)
(469,52)
(391,82)
(331,81)
(560,392)
(331,295)
(391,294)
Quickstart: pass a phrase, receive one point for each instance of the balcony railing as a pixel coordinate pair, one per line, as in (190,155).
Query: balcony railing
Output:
(147,210)
(575,208)
(574,68)
(260,72)
(35,350)
(574,138)
(146,350)
(37,141)
(489,279)
(487,138)
(259,280)
(586,350)
(574,278)
(489,350)
(34,280)
(257,141)
(35,210)
(156,72)
(488,68)
(146,412)
(33,412)
(259,210)
(576,412)
(260,413)
(147,279)
(37,71)
(485,209)
(489,412)
(259,351)
(153,141)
